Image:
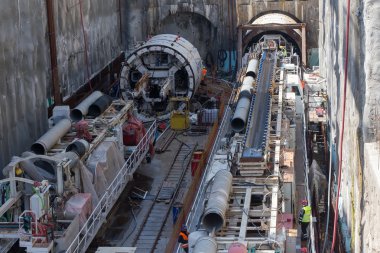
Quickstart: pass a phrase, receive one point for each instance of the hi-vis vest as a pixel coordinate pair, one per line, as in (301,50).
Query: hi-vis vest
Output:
(307,214)
(184,236)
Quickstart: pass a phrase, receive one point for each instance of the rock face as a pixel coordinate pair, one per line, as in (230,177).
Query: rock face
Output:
(360,177)
(206,24)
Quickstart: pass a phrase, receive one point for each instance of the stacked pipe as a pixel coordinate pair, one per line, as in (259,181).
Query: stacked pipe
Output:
(79,147)
(215,212)
(239,119)
(99,106)
(82,109)
(50,138)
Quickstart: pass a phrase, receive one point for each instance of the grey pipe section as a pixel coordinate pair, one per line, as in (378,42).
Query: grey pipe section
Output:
(215,212)
(50,138)
(239,119)
(80,147)
(99,106)
(72,156)
(82,109)
(206,245)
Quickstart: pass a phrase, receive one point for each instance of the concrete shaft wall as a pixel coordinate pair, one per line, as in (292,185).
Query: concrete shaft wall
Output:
(25,75)
(360,187)
(205,23)
(102,30)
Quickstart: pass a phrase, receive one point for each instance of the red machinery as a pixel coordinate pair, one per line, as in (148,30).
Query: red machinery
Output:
(133,132)
(82,130)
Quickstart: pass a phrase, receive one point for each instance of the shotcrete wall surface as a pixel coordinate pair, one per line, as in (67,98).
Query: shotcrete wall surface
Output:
(25,88)
(102,31)
(24,75)
(359,201)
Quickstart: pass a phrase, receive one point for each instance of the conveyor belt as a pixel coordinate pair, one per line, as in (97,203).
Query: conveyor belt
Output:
(258,125)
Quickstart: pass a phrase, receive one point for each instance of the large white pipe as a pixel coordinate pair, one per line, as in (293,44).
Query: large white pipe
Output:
(242,109)
(82,109)
(215,212)
(206,245)
(252,68)
(51,137)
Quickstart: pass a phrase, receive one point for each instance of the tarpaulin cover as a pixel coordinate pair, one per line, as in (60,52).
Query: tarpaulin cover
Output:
(104,163)
(79,204)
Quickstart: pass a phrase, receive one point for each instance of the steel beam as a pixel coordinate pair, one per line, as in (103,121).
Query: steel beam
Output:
(244,220)
(239,47)
(53,52)
(9,203)
(303,29)
(247,27)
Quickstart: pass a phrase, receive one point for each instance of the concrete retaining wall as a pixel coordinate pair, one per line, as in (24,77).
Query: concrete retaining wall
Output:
(359,198)
(25,77)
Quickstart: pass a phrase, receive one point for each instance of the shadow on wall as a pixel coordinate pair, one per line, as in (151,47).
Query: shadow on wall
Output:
(195,28)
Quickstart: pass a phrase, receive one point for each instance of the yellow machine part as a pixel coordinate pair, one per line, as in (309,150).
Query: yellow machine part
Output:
(179,120)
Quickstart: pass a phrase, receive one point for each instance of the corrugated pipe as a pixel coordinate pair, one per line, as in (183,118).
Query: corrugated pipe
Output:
(82,109)
(99,106)
(215,212)
(205,245)
(50,138)
(80,147)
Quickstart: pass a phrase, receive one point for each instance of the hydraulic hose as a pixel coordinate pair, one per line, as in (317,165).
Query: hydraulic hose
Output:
(342,129)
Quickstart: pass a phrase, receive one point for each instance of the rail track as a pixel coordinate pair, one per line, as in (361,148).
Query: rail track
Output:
(148,237)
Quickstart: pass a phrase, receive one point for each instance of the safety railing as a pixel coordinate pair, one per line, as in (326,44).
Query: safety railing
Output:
(311,241)
(99,214)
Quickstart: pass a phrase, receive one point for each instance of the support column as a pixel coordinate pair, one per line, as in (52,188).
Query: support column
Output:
(239,47)
(304,53)
(53,52)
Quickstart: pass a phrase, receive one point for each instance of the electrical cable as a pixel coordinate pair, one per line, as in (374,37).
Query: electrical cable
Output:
(342,128)
(271,240)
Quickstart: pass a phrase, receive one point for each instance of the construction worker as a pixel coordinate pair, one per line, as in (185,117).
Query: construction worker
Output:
(304,218)
(183,238)
(204,73)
